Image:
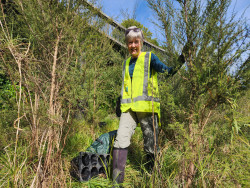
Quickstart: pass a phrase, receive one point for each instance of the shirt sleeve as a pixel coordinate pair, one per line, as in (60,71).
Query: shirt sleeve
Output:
(158,66)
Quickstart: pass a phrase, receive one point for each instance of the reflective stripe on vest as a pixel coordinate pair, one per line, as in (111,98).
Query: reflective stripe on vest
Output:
(123,77)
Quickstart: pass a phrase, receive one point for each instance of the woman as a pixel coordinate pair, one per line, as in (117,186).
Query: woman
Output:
(139,101)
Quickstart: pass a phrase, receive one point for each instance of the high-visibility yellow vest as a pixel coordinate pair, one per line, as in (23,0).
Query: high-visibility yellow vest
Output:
(141,94)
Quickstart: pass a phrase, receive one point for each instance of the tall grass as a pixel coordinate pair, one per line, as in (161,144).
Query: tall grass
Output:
(224,166)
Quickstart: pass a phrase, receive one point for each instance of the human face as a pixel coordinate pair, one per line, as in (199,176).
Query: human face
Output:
(134,47)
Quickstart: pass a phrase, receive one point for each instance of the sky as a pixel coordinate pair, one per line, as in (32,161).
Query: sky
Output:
(145,15)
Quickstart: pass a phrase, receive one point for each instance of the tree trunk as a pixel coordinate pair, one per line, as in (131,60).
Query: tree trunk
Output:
(53,77)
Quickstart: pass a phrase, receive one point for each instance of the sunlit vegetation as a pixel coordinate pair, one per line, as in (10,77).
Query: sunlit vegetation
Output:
(60,77)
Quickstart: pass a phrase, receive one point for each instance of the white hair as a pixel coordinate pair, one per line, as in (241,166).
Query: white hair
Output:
(130,33)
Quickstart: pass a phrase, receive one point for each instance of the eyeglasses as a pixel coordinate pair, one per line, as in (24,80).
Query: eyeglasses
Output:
(135,30)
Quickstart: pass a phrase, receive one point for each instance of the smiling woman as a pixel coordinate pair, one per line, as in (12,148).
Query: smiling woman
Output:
(139,102)
(134,39)
(134,47)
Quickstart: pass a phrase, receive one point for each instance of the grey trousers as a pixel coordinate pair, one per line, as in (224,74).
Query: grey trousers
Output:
(127,125)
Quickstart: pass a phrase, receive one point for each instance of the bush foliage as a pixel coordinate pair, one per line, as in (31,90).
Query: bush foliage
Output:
(60,77)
